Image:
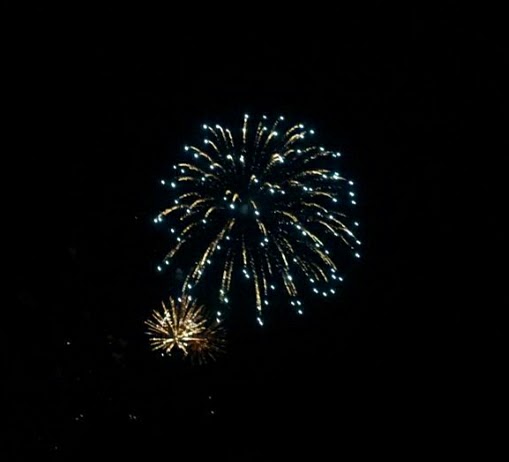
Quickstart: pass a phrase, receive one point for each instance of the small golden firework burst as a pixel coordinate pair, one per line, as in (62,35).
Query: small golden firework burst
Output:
(186,326)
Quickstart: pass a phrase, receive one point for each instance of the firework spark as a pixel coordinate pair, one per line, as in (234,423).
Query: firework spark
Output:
(184,325)
(262,206)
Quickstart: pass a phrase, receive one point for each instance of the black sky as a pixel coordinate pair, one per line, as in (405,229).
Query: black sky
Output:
(99,110)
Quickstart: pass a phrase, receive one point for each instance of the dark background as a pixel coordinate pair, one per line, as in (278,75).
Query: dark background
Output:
(99,106)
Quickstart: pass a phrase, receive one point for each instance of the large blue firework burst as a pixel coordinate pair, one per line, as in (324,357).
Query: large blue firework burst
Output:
(266,205)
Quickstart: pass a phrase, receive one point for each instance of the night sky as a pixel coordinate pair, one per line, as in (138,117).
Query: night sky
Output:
(98,114)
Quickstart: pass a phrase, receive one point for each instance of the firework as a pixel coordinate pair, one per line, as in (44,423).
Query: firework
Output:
(185,325)
(263,205)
